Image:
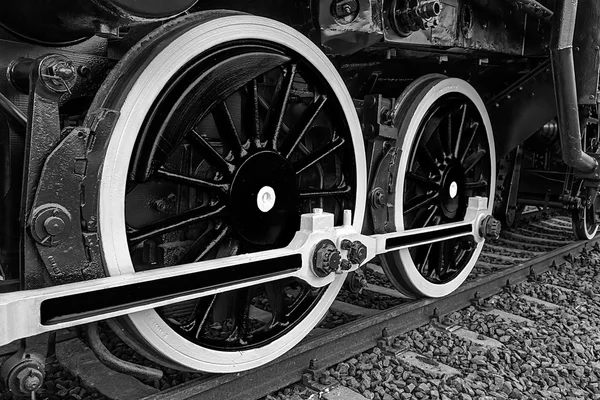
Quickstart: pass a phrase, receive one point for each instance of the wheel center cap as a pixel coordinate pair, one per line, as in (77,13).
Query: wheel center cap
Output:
(453,190)
(265,200)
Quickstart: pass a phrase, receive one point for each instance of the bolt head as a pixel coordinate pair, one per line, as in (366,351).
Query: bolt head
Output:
(84,71)
(357,252)
(27,380)
(31,383)
(490,228)
(345,265)
(326,258)
(54,226)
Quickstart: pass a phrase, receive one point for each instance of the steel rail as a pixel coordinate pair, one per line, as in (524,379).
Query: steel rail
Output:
(360,335)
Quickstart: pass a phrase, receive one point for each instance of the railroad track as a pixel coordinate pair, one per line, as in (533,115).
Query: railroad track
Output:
(380,313)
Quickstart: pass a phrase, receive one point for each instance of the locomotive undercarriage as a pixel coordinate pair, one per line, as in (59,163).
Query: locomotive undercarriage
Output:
(208,183)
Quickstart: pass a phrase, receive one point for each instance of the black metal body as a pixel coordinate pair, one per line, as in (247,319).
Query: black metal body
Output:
(495,40)
(586,54)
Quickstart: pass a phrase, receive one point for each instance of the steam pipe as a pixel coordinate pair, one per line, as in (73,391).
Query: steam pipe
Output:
(114,363)
(533,8)
(563,72)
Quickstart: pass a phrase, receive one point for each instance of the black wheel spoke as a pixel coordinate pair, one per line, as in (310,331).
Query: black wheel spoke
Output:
(297,132)
(202,310)
(474,126)
(419,201)
(275,116)
(448,142)
(473,159)
(298,301)
(435,259)
(449,258)
(175,222)
(252,115)
(315,193)
(265,108)
(241,316)
(275,294)
(422,256)
(211,155)
(206,243)
(191,181)
(424,218)
(423,181)
(227,130)
(318,155)
(460,129)
(427,161)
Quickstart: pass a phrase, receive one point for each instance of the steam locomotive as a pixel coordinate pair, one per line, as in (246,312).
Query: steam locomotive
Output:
(205,175)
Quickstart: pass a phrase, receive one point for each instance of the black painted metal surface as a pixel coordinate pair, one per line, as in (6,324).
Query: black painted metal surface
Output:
(522,108)
(586,55)
(69,254)
(65,22)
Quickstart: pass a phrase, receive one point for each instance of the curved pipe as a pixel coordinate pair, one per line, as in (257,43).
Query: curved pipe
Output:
(114,363)
(563,72)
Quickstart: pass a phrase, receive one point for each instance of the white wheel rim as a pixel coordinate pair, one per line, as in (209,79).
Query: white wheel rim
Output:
(111,219)
(583,228)
(403,259)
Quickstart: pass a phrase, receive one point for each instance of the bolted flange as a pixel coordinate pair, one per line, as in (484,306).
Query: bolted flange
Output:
(326,258)
(50,224)
(23,373)
(490,228)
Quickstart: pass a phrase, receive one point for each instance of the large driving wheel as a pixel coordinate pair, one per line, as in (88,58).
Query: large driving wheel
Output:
(447,157)
(230,127)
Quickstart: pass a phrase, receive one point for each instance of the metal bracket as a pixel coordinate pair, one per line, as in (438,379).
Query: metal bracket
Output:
(382,189)
(101,126)
(477,302)
(24,372)
(317,379)
(55,220)
(377,117)
(43,134)
(386,344)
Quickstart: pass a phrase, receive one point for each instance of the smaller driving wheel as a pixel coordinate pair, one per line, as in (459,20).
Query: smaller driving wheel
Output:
(584,222)
(447,157)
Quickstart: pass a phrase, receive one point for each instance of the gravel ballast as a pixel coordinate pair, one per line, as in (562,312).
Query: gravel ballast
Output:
(551,356)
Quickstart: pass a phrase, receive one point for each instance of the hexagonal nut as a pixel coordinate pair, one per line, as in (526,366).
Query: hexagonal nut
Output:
(357,253)
(346,265)
(326,258)
(29,380)
(490,228)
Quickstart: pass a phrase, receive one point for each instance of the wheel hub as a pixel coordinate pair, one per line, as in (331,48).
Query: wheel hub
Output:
(453,184)
(263,199)
(266,199)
